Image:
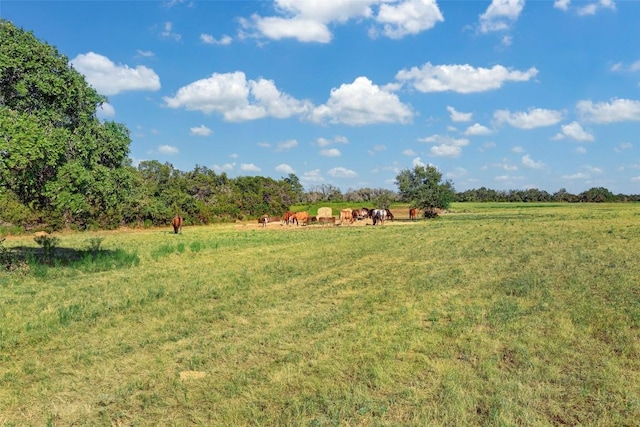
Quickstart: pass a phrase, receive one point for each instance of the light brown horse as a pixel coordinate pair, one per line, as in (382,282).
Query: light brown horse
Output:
(177,224)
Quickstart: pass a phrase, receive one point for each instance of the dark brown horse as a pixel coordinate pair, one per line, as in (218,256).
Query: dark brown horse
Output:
(177,224)
(412,214)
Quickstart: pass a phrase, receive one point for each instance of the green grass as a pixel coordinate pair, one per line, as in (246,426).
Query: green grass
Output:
(492,315)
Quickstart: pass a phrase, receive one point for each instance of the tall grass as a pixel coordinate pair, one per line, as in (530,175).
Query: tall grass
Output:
(487,316)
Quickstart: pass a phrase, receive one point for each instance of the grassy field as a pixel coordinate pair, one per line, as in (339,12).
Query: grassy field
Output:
(494,314)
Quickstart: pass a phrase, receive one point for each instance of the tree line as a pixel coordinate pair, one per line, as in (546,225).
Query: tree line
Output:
(61,166)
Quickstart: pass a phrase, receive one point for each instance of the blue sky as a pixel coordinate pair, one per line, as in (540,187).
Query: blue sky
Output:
(505,94)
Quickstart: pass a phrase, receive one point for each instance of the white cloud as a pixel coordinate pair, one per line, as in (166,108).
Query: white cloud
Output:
(310,21)
(287,145)
(105,111)
(311,177)
(446,146)
(562,4)
(574,131)
(477,130)
(306,21)
(528,162)
(263,144)
(237,99)
(168,150)
(408,17)
(517,149)
(110,79)
(201,130)
(227,167)
(145,53)
(341,172)
(461,78)
(594,7)
(167,32)
(533,118)
(623,146)
(618,110)
(579,175)
(362,103)
(331,152)
(285,168)
(209,39)
(457,116)
(249,167)
(408,152)
(500,15)
(418,162)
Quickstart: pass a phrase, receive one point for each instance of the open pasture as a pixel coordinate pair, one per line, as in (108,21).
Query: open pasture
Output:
(498,314)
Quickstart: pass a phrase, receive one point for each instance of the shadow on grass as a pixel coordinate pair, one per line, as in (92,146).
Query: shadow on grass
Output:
(40,260)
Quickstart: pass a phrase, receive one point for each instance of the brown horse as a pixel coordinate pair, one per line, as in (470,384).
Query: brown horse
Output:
(177,224)
(412,214)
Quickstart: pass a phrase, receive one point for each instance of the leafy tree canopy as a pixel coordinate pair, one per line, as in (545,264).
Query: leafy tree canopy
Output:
(54,152)
(424,189)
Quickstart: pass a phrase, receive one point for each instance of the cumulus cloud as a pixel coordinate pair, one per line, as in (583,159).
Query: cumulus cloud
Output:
(461,78)
(285,168)
(287,145)
(209,39)
(528,162)
(341,172)
(312,177)
(418,162)
(408,17)
(306,21)
(477,130)
(500,15)
(201,130)
(168,150)
(574,131)
(110,79)
(408,152)
(533,118)
(249,167)
(237,98)
(457,116)
(331,152)
(227,167)
(105,111)
(617,110)
(362,103)
(310,21)
(445,146)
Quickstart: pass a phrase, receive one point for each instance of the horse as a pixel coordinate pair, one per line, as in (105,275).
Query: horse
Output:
(412,214)
(177,224)
(378,215)
(287,217)
(300,217)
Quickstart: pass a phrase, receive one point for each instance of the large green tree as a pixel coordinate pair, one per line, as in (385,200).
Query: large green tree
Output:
(424,188)
(55,154)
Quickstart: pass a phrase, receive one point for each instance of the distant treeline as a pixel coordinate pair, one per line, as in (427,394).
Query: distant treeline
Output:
(157,191)
(593,195)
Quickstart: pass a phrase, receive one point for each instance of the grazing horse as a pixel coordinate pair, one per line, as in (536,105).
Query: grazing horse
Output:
(287,217)
(177,224)
(346,215)
(412,214)
(378,215)
(389,215)
(300,217)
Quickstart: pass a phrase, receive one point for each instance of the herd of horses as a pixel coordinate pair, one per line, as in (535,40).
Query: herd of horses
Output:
(378,216)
